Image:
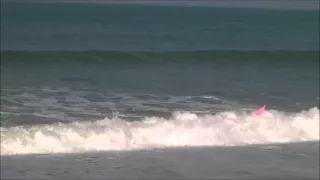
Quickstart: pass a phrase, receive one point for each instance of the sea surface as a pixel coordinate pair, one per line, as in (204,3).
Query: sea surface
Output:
(100,90)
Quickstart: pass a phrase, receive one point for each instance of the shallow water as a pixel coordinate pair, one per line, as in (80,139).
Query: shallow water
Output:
(283,161)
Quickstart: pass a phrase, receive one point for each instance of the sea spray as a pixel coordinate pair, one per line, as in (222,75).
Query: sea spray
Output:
(182,129)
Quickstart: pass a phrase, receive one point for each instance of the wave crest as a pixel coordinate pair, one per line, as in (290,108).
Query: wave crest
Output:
(182,129)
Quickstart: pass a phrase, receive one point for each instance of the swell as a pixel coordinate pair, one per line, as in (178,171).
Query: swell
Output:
(148,57)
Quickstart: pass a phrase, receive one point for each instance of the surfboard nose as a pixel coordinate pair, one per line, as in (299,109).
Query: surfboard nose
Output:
(260,110)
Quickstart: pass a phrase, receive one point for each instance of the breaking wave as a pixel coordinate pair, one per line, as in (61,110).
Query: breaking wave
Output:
(182,129)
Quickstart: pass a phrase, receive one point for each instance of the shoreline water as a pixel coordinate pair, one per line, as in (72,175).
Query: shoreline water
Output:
(283,161)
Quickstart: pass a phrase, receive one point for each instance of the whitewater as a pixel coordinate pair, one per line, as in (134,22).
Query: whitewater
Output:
(183,129)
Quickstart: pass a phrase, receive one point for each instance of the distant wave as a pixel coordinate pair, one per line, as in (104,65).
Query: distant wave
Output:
(127,57)
(182,129)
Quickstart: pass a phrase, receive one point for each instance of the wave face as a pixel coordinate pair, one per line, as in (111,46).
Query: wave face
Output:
(221,57)
(182,129)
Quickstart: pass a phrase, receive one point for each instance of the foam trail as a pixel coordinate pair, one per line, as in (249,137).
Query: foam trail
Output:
(183,129)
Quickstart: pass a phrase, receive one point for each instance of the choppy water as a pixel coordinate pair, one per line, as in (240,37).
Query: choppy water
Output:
(80,78)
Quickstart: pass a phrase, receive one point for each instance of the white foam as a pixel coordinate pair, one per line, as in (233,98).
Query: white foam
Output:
(212,97)
(183,129)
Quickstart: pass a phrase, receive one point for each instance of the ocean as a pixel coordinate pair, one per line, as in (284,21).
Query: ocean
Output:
(101,90)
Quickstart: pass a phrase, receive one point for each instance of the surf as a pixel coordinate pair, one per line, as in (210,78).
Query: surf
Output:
(227,128)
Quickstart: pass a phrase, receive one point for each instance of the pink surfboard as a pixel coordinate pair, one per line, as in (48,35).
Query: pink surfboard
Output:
(260,110)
